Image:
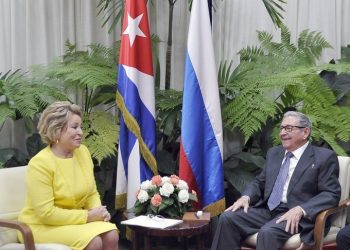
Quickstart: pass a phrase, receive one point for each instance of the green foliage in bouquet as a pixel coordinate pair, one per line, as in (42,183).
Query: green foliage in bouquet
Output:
(166,196)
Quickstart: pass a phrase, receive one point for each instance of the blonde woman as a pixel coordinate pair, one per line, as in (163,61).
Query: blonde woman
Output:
(62,203)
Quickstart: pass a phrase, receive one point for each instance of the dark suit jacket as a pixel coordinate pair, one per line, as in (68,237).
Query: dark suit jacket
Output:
(314,184)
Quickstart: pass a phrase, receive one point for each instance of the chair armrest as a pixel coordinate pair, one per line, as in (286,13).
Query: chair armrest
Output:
(321,221)
(24,229)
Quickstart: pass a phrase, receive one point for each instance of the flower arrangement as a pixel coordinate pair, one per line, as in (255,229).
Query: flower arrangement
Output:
(167,196)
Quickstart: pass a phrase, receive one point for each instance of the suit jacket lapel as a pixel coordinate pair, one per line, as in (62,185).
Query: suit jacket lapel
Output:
(304,162)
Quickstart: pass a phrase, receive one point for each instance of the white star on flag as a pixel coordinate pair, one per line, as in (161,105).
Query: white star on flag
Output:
(133,28)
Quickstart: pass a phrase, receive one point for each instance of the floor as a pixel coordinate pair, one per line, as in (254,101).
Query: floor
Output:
(173,245)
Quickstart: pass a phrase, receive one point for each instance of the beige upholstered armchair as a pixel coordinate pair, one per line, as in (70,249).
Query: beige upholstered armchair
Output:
(12,193)
(337,221)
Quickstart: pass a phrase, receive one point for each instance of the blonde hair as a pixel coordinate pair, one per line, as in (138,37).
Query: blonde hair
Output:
(54,119)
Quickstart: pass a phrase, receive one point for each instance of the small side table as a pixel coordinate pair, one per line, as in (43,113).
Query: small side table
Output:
(184,230)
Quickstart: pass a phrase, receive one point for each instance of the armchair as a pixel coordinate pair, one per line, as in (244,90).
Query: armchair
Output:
(12,195)
(337,221)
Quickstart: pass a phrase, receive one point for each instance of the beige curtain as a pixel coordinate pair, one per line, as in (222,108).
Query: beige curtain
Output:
(34,32)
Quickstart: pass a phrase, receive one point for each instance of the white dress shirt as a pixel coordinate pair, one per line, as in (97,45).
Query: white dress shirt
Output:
(293,163)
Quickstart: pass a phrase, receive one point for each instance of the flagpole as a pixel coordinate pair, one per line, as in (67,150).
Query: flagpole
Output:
(210,7)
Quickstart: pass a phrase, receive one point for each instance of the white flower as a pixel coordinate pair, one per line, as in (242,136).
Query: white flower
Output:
(142,196)
(183,196)
(165,179)
(182,185)
(167,189)
(147,185)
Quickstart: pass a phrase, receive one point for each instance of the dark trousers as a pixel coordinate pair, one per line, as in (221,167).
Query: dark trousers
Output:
(343,238)
(234,227)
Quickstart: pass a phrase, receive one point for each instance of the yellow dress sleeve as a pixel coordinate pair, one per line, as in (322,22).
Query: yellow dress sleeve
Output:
(93,199)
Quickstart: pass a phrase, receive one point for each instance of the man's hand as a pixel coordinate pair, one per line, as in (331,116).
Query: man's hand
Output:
(241,202)
(292,217)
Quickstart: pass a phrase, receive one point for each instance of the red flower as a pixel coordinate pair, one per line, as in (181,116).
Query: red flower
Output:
(174,179)
(157,180)
(156,200)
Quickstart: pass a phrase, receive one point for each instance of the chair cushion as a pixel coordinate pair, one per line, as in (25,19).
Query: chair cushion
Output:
(7,235)
(294,241)
(51,246)
(331,236)
(344,177)
(12,181)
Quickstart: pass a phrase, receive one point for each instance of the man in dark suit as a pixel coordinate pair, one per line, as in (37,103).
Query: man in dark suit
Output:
(298,181)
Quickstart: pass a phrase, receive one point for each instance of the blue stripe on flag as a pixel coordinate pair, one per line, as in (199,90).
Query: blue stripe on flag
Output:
(138,110)
(127,142)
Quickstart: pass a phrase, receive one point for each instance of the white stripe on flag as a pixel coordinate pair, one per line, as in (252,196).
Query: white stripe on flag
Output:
(121,176)
(199,41)
(145,86)
(133,175)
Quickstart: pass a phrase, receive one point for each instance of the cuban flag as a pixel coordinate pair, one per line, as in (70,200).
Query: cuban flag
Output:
(201,148)
(135,100)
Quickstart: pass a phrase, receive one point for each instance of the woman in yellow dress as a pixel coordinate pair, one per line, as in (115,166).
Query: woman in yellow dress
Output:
(62,203)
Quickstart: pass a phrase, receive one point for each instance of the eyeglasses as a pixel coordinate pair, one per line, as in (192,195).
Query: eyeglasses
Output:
(290,128)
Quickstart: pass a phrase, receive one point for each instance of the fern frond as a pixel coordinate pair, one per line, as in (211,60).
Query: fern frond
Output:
(343,130)
(82,74)
(274,8)
(101,134)
(264,37)
(6,112)
(224,72)
(168,99)
(19,95)
(285,35)
(93,68)
(312,44)
(250,53)
(25,97)
(227,79)
(248,112)
(327,136)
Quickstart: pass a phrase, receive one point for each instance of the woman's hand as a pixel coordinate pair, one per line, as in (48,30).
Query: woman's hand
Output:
(98,214)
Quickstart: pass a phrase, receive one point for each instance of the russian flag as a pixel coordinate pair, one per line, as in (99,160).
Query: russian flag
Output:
(136,102)
(201,148)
